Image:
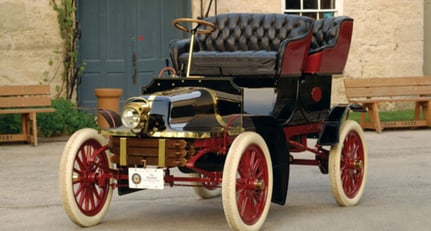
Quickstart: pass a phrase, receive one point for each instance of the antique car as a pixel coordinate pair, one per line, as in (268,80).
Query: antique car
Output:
(246,92)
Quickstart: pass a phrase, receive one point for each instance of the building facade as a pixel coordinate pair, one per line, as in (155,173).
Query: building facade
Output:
(390,38)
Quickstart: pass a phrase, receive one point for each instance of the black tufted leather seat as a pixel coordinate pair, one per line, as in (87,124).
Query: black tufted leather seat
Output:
(245,44)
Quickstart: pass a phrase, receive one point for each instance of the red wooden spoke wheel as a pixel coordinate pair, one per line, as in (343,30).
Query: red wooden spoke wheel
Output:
(247,182)
(85,189)
(348,163)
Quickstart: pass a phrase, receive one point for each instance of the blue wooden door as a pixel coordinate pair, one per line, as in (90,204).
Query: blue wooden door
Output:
(124,43)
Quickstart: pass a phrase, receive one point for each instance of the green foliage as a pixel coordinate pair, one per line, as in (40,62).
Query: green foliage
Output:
(65,120)
(403,115)
(10,124)
(66,17)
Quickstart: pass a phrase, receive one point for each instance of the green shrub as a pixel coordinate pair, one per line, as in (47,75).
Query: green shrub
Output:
(401,115)
(65,120)
(10,124)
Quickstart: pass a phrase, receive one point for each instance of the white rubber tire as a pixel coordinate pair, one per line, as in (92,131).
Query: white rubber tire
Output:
(240,145)
(66,184)
(204,192)
(348,128)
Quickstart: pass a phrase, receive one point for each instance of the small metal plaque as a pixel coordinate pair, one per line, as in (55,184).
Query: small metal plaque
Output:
(146,178)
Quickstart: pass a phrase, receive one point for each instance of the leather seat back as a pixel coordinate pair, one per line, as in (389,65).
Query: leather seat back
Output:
(246,31)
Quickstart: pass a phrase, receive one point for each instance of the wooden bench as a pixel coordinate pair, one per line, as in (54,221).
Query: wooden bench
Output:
(371,92)
(26,100)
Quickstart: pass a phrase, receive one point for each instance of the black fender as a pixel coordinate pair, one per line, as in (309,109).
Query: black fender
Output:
(272,132)
(330,133)
(112,117)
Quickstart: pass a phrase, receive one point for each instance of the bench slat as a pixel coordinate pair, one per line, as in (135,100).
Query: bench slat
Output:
(404,124)
(14,90)
(19,102)
(382,82)
(12,137)
(421,99)
(25,110)
(388,91)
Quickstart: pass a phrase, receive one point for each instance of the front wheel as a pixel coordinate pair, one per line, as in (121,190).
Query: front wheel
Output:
(85,190)
(247,182)
(348,162)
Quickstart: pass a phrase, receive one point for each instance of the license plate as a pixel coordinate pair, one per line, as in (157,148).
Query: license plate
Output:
(146,178)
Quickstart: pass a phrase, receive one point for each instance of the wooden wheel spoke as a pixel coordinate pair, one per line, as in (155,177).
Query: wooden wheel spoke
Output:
(81,194)
(242,205)
(251,160)
(93,197)
(79,161)
(78,171)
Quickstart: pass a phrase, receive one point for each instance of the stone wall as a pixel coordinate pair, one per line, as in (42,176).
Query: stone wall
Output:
(427,38)
(29,37)
(387,38)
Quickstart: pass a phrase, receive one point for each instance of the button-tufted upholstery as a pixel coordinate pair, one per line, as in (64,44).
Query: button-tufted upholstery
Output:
(330,45)
(245,44)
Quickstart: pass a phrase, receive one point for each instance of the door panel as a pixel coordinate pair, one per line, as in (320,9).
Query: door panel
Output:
(124,43)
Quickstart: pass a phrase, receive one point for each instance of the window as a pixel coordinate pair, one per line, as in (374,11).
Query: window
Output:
(313,8)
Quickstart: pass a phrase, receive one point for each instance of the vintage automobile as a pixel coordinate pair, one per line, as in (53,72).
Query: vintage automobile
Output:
(246,92)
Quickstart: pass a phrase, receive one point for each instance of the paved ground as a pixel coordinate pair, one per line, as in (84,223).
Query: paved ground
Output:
(397,196)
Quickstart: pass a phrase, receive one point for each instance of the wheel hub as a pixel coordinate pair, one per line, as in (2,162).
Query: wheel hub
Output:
(75,177)
(258,185)
(358,164)
(355,164)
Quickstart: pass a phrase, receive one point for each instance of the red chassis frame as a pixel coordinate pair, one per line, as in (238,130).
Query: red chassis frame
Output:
(219,145)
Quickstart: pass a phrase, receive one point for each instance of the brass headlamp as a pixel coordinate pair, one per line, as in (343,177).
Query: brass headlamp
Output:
(135,114)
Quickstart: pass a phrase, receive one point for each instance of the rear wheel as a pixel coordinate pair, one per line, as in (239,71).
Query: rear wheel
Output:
(205,191)
(85,193)
(247,182)
(348,162)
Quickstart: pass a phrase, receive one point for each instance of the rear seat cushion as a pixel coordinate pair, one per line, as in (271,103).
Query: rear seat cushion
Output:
(216,63)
